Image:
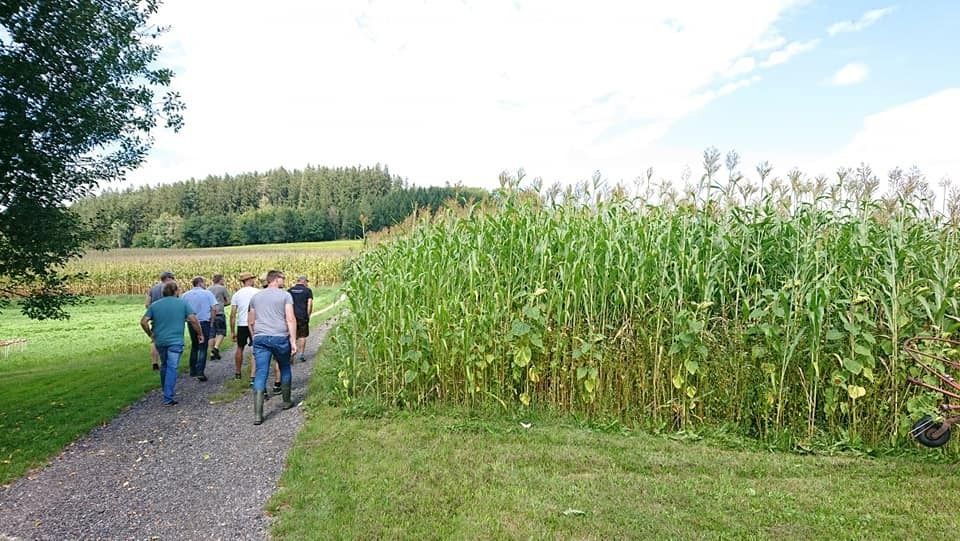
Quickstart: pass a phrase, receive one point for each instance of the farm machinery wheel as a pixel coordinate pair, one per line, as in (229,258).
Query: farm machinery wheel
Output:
(926,432)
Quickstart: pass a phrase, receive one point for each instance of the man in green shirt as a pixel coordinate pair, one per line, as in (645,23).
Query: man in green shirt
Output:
(168,316)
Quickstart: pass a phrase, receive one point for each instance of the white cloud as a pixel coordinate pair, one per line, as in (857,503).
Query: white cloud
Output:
(742,66)
(864,21)
(851,74)
(792,49)
(921,132)
(447,90)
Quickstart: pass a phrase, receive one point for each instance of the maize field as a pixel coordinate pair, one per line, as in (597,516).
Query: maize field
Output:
(782,315)
(133,271)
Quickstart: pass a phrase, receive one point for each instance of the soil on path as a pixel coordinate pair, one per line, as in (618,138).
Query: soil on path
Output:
(192,471)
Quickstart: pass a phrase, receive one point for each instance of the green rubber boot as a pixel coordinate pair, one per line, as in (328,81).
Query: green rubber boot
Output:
(258,407)
(285,391)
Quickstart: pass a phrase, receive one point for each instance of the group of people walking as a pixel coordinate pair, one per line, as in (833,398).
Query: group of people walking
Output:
(273,320)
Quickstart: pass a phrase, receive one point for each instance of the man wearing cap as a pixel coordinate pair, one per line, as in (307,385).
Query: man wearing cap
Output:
(239,306)
(302,308)
(204,305)
(154,294)
(274,329)
(167,316)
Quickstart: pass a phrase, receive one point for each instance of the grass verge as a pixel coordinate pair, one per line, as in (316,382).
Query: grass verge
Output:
(70,376)
(366,472)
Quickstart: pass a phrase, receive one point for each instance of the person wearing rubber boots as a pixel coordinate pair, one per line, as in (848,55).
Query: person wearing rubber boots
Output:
(274,328)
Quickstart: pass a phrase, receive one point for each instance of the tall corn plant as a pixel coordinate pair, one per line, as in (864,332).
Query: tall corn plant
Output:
(782,315)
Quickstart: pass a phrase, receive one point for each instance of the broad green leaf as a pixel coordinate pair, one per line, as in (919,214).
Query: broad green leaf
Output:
(409,376)
(852,365)
(519,328)
(856,391)
(521,356)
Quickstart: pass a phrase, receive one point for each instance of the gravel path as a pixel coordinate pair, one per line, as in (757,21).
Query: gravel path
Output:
(192,471)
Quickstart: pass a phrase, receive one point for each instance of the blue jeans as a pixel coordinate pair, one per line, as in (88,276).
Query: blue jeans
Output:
(169,363)
(198,351)
(263,348)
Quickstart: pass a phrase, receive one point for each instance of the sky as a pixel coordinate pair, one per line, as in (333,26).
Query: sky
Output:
(460,90)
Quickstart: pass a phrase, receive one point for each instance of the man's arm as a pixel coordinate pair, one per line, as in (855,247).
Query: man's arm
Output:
(309,307)
(291,327)
(146,300)
(195,323)
(251,318)
(145,325)
(233,319)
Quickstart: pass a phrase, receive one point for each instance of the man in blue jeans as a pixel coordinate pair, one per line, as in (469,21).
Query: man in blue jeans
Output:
(274,329)
(168,315)
(204,305)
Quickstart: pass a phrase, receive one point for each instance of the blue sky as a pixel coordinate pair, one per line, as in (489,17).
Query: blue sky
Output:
(912,52)
(461,90)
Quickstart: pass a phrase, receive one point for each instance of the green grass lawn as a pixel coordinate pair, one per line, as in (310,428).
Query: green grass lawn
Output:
(74,375)
(71,376)
(446,474)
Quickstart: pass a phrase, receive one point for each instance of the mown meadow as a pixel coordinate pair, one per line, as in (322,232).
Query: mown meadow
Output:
(777,308)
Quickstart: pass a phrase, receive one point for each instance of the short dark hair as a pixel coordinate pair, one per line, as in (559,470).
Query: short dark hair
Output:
(170,289)
(198,281)
(273,275)
(217,278)
(166,275)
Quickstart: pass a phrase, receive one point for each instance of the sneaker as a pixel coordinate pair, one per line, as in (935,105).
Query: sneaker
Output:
(251,383)
(237,375)
(201,378)
(276,388)
(156,367)
(216,354)
(171,403)
(303,359)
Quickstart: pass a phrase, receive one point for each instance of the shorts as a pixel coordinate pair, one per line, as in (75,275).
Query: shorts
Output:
(219,325)
(303,328)
(243,336)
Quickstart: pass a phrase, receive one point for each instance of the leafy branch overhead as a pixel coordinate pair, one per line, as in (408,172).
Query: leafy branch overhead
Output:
(79,98)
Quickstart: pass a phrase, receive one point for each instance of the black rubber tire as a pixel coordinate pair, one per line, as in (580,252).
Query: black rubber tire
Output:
(924,435)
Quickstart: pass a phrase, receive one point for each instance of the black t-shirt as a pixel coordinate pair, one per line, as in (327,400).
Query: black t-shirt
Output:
(300,294)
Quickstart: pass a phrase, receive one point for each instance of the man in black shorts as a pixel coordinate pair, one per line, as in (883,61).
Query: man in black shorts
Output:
(218,327)
(302,308)
(239,307)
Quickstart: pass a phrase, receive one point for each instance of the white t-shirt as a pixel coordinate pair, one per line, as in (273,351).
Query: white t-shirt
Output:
(241,303)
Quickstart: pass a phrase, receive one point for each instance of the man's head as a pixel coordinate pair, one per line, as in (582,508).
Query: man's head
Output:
(166,276)
(275,278)
(198,281)
(247,278)
(218,278)
(302,279)
(170,289)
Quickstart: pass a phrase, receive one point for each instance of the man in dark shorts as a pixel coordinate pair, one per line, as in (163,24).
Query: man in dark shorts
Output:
(239,306)
(153,295)
(219,324)
(302,308)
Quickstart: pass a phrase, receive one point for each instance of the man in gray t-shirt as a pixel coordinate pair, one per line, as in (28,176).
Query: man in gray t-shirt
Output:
(274,329)
(153,295)
(219,323)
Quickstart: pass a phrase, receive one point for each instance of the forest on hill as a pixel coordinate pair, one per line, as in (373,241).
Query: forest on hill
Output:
(280,205)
